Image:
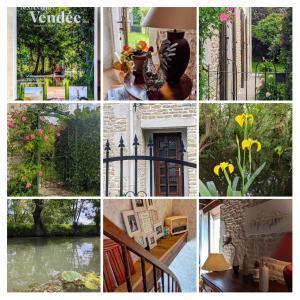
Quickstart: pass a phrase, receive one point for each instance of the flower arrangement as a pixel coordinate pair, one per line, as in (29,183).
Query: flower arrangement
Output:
(244,163)
(125,63)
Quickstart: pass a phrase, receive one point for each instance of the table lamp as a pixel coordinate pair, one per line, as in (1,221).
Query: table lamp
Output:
(174,52)
(284,252)
(215,262)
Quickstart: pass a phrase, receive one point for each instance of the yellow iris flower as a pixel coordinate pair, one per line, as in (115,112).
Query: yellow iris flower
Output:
(223,166)
(244,119)
(247,144)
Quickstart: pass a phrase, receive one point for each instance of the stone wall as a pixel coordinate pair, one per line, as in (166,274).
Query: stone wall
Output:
(143,120)
(233,216)
(212,54)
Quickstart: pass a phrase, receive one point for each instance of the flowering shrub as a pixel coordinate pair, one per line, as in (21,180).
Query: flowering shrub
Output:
(125,64)
(244,163)
(30,136)
(271,90)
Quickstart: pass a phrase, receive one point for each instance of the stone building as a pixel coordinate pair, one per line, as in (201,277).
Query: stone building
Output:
(228,58)
(167,127)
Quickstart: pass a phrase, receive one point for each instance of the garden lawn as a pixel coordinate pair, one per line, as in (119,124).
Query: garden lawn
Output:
(279,67)
(135,37)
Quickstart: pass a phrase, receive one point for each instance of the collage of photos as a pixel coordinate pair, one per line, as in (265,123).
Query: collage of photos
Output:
(172,168)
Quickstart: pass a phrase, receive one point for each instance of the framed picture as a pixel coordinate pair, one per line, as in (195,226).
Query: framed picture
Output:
(159,230)
(272,216)
(151,240)
(146,222)
(140,238)
(139,205)
(149,203)
(154,216)
(131,222)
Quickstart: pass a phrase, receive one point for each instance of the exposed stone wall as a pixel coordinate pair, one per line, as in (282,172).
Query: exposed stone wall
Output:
(144,119)
(233,216)
(212,54)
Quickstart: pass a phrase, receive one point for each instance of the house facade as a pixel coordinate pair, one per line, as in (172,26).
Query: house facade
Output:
(159,130)
(228,58)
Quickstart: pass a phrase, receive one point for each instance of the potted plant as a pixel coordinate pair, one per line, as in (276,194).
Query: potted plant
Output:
(133,57)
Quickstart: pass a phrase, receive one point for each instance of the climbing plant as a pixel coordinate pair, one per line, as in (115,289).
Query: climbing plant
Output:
(79,143)
(30,135)
(210,19)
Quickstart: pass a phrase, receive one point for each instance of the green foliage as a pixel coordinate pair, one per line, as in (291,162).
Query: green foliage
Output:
(68,44)
(92,281)
(136,16)
(55,230)
(273,127)
(267,31)
(23,230)
(286,55)
(269,89)
(70,276)
(57,217)
(209,25)
(30,137)
(79,143)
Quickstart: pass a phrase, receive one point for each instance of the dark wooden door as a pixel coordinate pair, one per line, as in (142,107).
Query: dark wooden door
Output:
(167,177)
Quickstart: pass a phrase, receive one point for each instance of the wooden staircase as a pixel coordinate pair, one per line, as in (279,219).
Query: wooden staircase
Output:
(149,272)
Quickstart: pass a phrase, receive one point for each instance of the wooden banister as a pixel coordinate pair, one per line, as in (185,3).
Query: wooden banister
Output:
(159,269)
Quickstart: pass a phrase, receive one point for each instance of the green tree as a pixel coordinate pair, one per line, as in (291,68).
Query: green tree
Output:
(268,32)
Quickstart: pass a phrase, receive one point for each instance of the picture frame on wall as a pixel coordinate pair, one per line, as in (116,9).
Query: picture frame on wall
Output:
(159,230)
(146,222)
(131,222)
(151,240)
(139,205)
(149,203)
(140,238)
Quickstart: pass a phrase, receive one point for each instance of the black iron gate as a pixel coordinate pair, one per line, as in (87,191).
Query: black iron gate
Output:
(55,171)
(216,82)
(151,158)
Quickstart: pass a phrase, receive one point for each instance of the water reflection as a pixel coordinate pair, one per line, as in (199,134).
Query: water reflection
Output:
(38,260)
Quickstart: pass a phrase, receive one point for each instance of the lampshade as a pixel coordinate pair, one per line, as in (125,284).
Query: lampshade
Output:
(284,248)
(215,262)
(171,18)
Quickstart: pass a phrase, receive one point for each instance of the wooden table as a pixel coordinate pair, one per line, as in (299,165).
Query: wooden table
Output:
(227,281)
(136,89)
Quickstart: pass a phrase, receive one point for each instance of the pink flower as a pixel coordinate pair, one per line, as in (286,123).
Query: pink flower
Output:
(223,17)
(23,119)
(32,136)
(26,137)
(230,9)
(40,173)
(40,131)
(28,185)
(46,137)
(11,125)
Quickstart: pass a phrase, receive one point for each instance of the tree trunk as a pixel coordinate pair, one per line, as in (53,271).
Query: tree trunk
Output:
(43,65)
(38,225)
(37,64)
